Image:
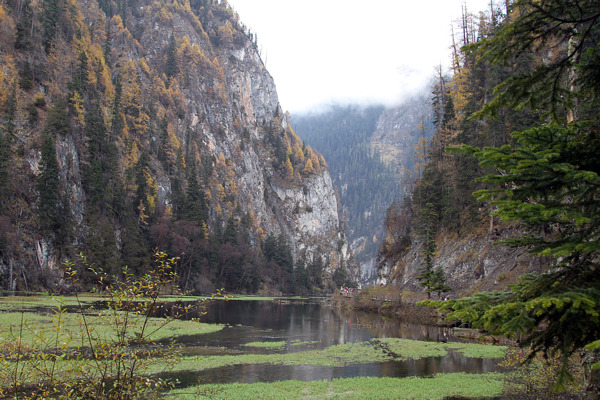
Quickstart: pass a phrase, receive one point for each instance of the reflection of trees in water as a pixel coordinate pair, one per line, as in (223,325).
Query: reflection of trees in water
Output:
(320,326)
(379,326)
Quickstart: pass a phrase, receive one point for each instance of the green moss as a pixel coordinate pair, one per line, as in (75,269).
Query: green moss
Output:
(267,345)
(380,350)
(339,355)
(38,327)
(476,350)
(414,349)
(301,343)
(404,349)
(19,303)
(364,388)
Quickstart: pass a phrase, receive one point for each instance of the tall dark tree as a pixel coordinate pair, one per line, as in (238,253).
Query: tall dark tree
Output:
(427,231)
(117,121)
(196,205)
(4,162)
(23,28)
(107,49)
(47,187)
(51,12)
(80,80)
(171,68)
(100,172)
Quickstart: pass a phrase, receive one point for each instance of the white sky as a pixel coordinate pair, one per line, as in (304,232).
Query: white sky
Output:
(321,52)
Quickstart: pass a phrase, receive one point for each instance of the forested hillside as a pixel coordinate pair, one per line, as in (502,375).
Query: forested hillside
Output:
(517,124)
(128,126)
(366,184)
(442,201)
(374,155)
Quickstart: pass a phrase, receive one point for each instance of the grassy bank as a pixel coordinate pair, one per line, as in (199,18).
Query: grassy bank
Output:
(440,386)
(388,301)
(40,315)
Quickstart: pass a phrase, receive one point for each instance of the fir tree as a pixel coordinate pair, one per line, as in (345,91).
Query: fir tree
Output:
(196,208)
(4,162)
(51,12)
(171,63)
(107,49)
(47,187)
(22,35)
(80,80)
(118,123)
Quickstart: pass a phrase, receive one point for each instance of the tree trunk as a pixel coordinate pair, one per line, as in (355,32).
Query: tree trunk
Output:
(591,376)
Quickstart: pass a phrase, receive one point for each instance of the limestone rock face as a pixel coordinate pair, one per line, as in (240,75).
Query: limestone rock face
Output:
(400,128)
(309,215)
(230,110)
(471,264)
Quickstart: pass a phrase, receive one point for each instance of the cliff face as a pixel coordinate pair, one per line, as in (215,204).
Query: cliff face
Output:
(399,130)
(182,99)
(471,263)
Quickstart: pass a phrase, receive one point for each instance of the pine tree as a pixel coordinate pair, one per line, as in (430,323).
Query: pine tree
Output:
(80,80)
(51,12)
(117,121)
(107,49)
(47,187)
(439,282)
(4,162)
(196,208)
(22,35)
(427,230)
(171,68)
(100,174)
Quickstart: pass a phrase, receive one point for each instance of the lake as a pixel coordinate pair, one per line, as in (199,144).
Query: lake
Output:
(311,325)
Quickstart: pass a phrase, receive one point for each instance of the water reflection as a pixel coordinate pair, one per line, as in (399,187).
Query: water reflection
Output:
(252,320)
(315,326)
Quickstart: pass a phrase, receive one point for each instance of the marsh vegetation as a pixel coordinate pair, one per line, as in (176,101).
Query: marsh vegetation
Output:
(250,348)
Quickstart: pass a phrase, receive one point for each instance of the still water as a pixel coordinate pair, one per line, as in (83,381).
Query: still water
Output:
(317,326)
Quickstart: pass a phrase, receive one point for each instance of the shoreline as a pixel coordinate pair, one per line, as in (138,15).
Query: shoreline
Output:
(413,313)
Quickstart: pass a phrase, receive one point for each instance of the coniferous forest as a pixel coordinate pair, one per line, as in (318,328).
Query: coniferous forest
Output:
(366,184)
(516,145)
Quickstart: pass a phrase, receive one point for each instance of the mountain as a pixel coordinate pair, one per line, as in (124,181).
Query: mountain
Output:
(371,155)
(129,126)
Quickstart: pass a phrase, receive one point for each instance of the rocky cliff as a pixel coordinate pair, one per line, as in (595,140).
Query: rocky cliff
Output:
(471,263)
(399,130)
(158,113)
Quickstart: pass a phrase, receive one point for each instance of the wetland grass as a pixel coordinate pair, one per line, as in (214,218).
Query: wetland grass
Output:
(441,386)
(73,327)
(404,349)
(342,354)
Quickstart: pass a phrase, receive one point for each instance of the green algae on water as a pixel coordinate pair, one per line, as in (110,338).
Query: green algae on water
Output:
(441,386)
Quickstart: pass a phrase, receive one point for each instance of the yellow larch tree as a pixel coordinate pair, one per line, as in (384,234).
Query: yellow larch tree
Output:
(77,103)
(315,161)
(8,72)
(225,34)
(135,117)
(288,170)
(7,26)
(322,162)
(308,168)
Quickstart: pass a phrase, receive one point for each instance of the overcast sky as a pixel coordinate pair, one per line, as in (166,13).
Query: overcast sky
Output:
(351,51)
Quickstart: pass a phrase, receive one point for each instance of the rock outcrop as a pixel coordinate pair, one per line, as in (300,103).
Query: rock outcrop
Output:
(471,263)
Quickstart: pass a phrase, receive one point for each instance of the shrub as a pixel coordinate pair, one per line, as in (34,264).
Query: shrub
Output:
(109,355)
